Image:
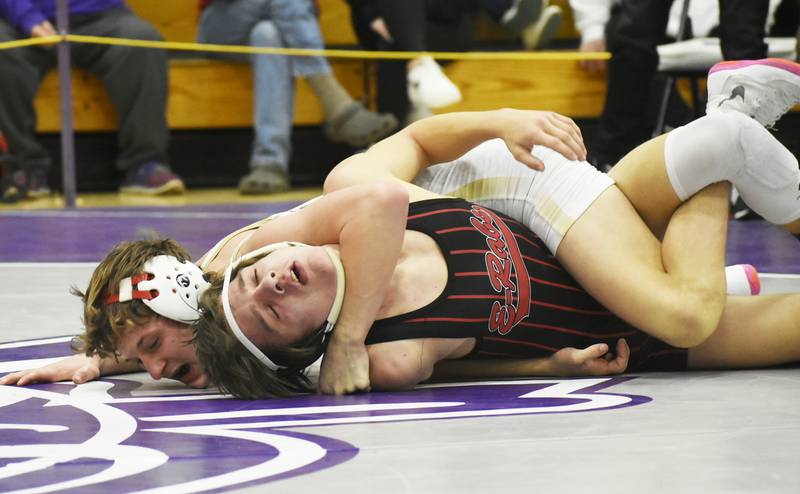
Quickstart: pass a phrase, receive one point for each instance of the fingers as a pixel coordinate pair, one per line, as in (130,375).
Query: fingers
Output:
(588,354)
(623,353)
(21,378)
(524,156)
(10,379)
(572,136)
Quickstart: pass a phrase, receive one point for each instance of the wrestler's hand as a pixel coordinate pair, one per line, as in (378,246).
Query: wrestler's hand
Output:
(345,368)
(592,361)
(77,368)
(523,129)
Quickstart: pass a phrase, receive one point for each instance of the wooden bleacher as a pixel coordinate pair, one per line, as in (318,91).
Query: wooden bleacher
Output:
(208,94)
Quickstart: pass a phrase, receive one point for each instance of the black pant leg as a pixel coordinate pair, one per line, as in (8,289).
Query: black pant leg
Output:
(407,22)
(136,80)
(21,73)
(742,28)
(632,36)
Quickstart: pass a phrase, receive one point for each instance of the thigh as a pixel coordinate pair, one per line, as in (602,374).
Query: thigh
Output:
(753,332)
(114,23)
(40,59)
(642,176)
(617,260)
(231,22)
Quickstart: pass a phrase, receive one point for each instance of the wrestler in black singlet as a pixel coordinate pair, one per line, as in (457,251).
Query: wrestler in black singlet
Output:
(509,293)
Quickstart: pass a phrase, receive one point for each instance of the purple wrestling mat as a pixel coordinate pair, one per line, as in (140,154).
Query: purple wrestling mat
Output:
(87,234)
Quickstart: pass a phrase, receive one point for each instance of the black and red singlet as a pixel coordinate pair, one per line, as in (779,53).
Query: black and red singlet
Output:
(509,293)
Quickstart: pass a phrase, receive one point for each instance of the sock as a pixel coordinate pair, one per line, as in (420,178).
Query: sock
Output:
(332,96)
(729,146)
(742,279)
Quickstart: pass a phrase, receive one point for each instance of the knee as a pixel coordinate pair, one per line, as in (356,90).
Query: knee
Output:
(695,317)
(266,33)
(140,29)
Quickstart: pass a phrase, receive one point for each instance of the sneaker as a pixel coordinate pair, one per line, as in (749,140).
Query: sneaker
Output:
(763,89)
(543,30)
(429,87)
(152,178)
(742,279)
(37,184)
(520,15)
(264,180)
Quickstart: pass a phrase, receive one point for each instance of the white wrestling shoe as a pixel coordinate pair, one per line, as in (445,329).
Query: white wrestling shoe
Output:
(763,89)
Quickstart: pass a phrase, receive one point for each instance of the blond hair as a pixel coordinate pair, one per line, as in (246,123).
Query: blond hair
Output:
(104,324)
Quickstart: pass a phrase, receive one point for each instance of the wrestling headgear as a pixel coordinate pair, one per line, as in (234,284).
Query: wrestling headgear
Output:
(169,286)
(237,331)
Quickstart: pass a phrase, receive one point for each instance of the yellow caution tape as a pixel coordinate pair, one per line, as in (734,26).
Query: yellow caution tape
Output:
(310,52)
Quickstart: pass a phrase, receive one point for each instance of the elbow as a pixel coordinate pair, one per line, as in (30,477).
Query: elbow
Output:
(386,198)
(395,372)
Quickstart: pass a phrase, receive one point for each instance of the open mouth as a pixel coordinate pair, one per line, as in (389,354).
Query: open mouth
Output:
(297,274)
(181,372)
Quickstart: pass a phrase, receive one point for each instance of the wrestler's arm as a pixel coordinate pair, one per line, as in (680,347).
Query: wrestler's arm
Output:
(368,223)
(403,364)
(446,137)
(594,360)
(77,368)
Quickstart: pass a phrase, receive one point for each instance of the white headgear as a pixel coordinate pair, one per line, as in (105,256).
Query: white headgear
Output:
(169,286)
(226,305)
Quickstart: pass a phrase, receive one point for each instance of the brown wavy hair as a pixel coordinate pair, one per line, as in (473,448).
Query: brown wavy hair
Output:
(234,369)
(105,324)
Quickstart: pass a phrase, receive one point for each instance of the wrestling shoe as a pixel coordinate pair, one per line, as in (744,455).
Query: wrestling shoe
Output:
(763,89)
(742,279)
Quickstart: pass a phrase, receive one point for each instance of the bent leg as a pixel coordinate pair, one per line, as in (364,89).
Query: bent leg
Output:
(753,332)
(674,291)
(728,146)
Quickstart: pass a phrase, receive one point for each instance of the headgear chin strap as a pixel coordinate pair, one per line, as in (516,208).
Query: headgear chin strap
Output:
(169,286)
(237,331)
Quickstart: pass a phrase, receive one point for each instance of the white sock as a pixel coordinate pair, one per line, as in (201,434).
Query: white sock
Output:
(742,279)
(729,146)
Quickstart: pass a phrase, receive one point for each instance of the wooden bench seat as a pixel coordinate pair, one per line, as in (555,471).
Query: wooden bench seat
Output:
(208,93)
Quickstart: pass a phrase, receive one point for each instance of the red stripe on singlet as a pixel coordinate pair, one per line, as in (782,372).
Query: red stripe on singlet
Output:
(449,319)
(576,332)
(440,211)
(456,229)
(572,309)
(519,342)
(537,261)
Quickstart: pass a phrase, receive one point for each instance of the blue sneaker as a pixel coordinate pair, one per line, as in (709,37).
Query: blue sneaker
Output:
(152,178)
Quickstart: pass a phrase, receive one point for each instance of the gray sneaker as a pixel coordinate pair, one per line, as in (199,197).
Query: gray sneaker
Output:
(264,180)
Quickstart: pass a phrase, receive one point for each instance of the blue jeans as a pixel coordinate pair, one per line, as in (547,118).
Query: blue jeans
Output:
(268,23)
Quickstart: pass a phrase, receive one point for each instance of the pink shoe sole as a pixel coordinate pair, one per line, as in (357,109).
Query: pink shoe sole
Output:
(778,63)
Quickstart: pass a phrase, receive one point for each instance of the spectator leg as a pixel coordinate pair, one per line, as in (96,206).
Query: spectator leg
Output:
(742,28)
(136,80)
(632,35)
(21,72)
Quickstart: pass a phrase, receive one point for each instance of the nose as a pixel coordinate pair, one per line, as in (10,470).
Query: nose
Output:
(154,365)
(272,284)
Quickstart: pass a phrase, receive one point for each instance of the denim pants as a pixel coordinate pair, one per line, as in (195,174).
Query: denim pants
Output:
(268,23)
